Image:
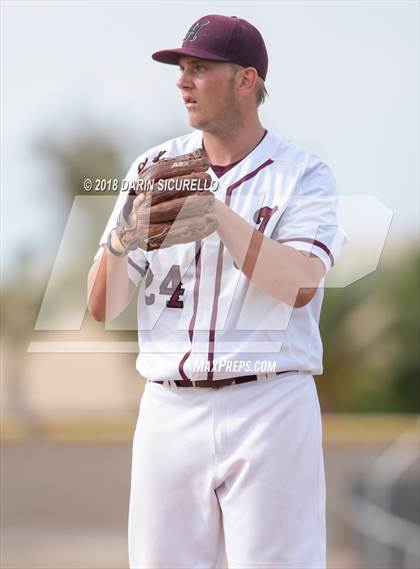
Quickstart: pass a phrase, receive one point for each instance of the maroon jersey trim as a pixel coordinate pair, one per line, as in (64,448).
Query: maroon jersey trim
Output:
(313,242)
(212,332)
(195,308)
(135,266)
(222,170)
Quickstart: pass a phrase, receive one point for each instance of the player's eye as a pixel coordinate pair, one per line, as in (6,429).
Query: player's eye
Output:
(200,68)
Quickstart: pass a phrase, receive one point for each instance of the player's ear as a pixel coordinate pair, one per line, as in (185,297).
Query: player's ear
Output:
(247,79)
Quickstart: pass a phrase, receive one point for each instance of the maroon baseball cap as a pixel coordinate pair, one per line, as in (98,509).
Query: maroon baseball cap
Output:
(221,38)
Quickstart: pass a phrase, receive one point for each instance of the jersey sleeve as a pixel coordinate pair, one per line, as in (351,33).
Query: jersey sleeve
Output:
(309,222)
(136,259)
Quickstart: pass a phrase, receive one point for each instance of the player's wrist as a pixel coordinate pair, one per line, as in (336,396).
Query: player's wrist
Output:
(114,245)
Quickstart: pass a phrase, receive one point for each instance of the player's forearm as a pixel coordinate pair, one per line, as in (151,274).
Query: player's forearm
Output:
(277,269)
(109,288)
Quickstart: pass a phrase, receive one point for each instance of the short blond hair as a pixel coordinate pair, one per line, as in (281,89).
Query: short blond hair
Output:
(260,91)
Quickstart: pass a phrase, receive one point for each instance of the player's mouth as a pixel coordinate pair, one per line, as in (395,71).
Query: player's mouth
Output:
(190,102)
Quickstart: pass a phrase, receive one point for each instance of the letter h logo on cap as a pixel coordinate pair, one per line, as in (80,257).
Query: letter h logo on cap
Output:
(192,33)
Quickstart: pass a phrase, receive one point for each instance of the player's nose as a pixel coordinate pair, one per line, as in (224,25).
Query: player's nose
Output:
(184,80)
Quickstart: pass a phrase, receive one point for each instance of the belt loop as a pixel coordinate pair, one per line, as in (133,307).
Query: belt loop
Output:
(265,376)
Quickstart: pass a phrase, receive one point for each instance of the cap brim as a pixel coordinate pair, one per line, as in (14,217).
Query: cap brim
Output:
(172,56)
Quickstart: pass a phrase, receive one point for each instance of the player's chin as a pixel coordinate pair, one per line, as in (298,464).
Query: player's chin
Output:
(197,121)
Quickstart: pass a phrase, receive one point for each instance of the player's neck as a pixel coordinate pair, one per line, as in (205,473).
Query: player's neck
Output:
(232,145)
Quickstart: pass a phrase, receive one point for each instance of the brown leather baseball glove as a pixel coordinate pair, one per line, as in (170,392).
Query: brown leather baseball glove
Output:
(170,204)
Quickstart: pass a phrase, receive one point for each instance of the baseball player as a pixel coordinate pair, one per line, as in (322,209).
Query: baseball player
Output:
(227,462)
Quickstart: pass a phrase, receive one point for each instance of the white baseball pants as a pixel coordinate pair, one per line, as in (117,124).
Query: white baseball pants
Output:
(228,477)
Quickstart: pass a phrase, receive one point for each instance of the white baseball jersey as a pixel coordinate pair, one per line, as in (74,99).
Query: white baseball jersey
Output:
(199,316)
